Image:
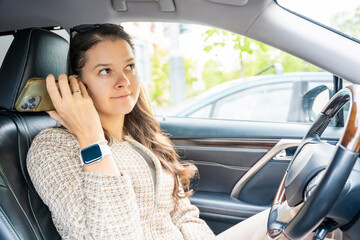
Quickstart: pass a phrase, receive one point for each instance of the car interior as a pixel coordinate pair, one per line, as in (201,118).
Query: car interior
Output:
(34,52)
(241,163)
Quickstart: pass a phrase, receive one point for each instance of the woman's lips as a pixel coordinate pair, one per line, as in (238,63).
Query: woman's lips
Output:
(122,96)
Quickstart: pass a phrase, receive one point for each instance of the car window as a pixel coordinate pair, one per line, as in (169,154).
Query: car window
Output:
(203,112)
(262,103)
(342,16)
(199,71)
(5,42)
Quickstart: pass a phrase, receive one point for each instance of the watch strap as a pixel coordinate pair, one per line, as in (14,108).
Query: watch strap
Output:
(104,149)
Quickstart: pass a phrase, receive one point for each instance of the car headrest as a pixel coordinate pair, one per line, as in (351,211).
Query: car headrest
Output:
(34,52)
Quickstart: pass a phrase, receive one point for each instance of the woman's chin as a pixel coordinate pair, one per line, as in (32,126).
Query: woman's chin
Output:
(116,109)
(121,111)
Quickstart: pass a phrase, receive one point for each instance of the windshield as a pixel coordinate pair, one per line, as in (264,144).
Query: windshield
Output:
(343,16)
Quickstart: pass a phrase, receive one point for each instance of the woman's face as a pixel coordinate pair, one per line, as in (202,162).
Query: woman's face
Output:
(110,75)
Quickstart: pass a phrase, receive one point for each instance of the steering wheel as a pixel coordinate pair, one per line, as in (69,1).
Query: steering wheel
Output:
(293,215)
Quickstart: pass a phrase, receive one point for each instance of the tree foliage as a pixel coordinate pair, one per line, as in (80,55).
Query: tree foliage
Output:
(348,23)
(253,56)
(159,88)
(220,38)
(160,85)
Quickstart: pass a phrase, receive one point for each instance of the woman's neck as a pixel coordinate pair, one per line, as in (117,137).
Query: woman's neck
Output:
(114,126)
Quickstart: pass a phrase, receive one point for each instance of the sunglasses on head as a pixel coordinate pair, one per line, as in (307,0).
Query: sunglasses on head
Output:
(86,28)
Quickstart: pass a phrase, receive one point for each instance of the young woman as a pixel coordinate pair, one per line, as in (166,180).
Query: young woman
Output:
(109,172)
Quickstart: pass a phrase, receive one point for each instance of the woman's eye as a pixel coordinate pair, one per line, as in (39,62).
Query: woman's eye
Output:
(130,67)
(105,71)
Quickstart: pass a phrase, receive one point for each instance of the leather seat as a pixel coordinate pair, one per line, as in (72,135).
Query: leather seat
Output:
(33,53)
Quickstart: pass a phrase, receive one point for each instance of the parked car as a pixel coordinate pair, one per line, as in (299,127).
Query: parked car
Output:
(244,166)
(271,98)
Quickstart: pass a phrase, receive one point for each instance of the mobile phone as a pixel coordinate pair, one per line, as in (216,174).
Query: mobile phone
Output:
(34,97)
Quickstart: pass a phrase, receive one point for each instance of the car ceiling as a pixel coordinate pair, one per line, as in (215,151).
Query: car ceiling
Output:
(262,20)
(67,13)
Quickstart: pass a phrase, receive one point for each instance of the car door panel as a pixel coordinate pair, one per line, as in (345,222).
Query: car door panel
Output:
(239,163)
(262,187)
(212,161)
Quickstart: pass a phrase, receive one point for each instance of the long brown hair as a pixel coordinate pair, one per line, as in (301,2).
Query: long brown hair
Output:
(139,123)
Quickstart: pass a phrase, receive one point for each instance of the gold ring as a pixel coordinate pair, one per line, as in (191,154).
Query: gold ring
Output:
(76,91)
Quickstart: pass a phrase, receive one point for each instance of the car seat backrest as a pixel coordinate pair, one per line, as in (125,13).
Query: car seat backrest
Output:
(33,53)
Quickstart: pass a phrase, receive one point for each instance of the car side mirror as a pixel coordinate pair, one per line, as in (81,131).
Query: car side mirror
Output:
(314,100)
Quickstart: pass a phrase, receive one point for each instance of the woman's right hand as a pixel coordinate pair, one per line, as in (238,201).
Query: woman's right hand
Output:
(75,109)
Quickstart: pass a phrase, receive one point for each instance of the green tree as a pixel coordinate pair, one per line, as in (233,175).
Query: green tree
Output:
(294,64)
(254,56)
(190,77)
(160,70)
(348,22)
(263,56)
(160,86)
(219,38)
(212,74)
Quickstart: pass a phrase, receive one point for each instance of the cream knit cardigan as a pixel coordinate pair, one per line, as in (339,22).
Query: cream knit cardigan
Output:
(89,205)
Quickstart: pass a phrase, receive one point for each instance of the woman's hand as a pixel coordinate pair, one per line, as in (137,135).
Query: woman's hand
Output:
(74,109)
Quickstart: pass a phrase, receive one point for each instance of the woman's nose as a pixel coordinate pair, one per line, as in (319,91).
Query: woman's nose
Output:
(122,80)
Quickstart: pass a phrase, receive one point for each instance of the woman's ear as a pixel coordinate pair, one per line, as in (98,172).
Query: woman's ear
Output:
(79,80)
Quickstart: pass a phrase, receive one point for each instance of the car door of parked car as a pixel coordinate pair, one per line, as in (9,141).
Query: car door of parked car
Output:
(241,163)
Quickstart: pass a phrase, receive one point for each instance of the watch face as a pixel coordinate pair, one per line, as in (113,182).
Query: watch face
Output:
(91,154)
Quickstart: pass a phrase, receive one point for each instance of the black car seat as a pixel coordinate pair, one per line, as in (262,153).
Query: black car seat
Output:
(33,53)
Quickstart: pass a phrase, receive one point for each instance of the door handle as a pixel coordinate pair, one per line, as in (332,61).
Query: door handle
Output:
(282,156)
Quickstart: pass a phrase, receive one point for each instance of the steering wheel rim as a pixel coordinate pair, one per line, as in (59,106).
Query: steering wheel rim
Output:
(346,153)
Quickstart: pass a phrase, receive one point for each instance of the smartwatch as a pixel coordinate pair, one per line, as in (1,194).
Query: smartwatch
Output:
(94,153)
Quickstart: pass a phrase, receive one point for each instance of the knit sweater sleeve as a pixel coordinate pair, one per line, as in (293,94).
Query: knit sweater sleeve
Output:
(186,217)
(84,205)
